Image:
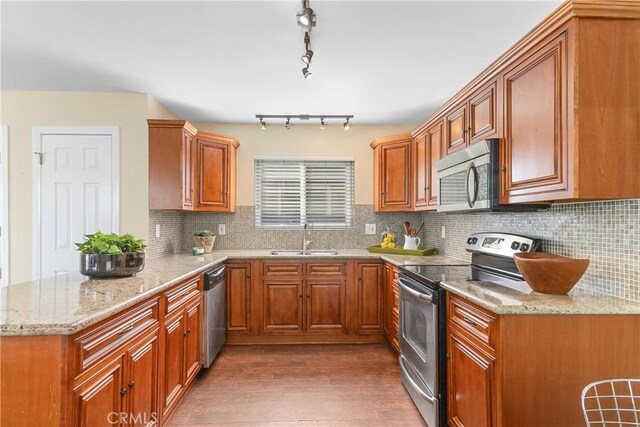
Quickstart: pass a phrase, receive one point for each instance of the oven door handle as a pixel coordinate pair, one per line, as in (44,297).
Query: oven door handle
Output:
(415,386)
(427,298)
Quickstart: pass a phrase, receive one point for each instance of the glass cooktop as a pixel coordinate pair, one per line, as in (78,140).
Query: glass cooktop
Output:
(434,274)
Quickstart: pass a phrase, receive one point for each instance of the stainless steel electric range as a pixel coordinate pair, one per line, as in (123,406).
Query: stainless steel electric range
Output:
(422,329)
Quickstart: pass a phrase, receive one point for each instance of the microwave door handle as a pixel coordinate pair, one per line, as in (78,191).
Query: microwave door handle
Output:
(427,298)
(471,168)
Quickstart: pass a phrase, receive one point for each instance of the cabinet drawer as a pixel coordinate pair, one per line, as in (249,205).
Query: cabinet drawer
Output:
(178,296)
(99,343)
(281,269)
(325,269)
(471,319)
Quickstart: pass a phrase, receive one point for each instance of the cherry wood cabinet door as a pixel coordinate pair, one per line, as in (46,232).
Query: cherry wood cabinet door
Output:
(422,169)
(434,153)
(370,297)
(395,188)
(212,172)
(482,114)
(239,297)
(142,383)
(455,127)
(387,299)
(187,171)
(96,400)
(535,158)
(325,305)
(192,338)
(470,382)
(282,301)
(173,367)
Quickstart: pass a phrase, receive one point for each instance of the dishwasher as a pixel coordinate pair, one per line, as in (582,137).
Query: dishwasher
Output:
(215,314)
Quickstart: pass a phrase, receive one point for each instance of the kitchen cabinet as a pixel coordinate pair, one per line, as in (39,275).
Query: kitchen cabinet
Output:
(427,149)
(283,305)
(392,173)
(567,126)
(391,309)
(494,360)
(171,164)
(142,384)
(99,397)
(370,297)
(325,308)
(190,169)
(239,296)
(215,172)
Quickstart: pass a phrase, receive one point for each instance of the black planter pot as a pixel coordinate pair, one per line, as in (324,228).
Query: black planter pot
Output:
(106,265)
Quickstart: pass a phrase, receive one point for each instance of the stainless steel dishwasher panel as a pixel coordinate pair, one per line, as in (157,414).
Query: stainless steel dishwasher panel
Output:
(215,314)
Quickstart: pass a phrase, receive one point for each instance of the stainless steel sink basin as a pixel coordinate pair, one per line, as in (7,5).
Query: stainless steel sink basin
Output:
(305,253)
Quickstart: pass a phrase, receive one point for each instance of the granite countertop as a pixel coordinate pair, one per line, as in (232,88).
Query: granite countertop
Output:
(68,303)
(502,300)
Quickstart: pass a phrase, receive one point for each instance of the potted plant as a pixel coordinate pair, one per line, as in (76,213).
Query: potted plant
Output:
(111,255)
(204,239)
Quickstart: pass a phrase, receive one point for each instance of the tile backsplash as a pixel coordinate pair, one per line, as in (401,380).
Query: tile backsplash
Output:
(171,233)
(608,233)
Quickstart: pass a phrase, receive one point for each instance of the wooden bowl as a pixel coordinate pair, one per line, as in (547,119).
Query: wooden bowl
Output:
(548,273)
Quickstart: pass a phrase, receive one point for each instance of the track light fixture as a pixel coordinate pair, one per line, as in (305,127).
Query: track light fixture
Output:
(306,18)
(304,117)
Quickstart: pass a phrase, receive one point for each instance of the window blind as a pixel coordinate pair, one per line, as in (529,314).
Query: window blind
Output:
(291,193)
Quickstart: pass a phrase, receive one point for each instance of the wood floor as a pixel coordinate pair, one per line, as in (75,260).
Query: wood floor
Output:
(301,385)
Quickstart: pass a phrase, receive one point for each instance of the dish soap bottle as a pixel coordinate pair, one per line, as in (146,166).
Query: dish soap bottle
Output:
(388,239)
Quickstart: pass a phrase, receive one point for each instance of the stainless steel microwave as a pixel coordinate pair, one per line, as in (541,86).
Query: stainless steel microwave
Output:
(469,180)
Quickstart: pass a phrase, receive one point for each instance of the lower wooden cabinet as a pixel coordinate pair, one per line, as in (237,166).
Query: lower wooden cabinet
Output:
(96,400)
(142,382)
(326,305)
(370,297)
(282,305)
(391,310)
(239,296)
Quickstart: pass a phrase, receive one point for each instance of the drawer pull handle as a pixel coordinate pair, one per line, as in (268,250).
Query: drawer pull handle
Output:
(186,293)
(469,320)
(125,330)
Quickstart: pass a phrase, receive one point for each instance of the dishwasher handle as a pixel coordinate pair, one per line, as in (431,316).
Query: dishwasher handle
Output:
(213,277)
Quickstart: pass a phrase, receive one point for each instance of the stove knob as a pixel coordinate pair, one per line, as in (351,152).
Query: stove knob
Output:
(524,247)
(469,241)
(515,245)
(474,240)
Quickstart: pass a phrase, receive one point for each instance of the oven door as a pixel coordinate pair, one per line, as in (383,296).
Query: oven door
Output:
(418,330)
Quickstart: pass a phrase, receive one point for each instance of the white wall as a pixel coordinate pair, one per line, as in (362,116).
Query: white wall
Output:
(21,110)
(303,140)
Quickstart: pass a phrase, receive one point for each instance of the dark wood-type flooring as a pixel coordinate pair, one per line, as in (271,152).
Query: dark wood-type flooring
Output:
(299,385)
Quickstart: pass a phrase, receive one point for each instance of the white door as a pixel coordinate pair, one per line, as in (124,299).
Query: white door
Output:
(4,208)
(78,191)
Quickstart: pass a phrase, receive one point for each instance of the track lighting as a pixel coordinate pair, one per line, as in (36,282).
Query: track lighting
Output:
(306,58)
(305,118)
(306,73)
(306,18)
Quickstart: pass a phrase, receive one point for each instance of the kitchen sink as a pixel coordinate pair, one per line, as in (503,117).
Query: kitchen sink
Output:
(303,253)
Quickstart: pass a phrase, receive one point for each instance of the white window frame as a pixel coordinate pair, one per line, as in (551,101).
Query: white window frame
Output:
(300,159)
(36,139)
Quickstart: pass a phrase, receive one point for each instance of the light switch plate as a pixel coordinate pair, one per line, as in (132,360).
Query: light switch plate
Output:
(222,229)
(157,230)
(369,229)
(443,234)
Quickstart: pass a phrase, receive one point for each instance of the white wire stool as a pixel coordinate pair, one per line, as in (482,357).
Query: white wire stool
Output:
(612,403)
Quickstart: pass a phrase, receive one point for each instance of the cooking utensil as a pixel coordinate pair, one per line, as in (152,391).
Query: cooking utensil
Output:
(548,273)
(406,226)
(419,230)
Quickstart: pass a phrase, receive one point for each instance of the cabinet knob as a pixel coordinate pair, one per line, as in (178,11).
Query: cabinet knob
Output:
(448,356)
(359,279)
(503,169)
(299,295)
(382,193)
(308,296)
(123,392)
(131,384)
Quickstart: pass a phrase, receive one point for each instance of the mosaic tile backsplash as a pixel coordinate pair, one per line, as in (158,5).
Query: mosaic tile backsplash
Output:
(171,233)
(242,234)
(608,233)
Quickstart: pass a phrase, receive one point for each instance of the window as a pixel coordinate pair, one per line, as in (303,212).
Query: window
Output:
(294,192)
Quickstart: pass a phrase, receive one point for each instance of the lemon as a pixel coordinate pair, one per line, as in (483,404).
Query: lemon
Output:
(391,245)
(383,244)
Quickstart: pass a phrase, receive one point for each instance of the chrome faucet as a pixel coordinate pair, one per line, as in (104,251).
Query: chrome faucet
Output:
(306,231)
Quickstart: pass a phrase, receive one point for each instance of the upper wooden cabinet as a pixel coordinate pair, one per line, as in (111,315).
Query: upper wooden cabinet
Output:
(568,125)
(472,120)
(190,170)
(171,164)
(427,149)
(392,173)
(215,171)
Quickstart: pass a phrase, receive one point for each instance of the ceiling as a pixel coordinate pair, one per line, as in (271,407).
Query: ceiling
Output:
(386,62)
